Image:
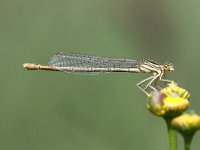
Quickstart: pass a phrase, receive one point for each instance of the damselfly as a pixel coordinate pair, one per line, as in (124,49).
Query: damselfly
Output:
(86,64)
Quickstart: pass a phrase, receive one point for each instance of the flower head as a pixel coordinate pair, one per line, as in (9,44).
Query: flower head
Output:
(187,123)
(173,90)
(169,102)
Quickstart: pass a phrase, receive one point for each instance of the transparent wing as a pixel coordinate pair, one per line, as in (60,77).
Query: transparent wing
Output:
(65,59)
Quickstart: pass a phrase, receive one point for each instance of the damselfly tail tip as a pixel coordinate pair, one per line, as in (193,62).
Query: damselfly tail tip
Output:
(25,65)
(30,66)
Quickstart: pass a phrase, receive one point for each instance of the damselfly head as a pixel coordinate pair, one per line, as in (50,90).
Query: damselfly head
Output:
(168,66)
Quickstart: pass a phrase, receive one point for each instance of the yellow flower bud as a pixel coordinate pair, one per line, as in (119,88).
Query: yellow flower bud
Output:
(171,101)
(175,105)
(155,103)
(172,89)
(166,105)
(187,123)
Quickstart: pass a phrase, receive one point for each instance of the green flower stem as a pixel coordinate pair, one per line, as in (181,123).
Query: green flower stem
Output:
(172,135)
(187,141)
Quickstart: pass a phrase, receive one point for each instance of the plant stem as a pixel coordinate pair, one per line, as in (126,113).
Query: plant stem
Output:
(172,135)
(187,141)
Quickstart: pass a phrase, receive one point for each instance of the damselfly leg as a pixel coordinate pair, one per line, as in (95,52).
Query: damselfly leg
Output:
(164,81)
(151,78)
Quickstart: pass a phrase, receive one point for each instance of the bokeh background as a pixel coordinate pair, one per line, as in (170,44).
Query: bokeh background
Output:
(49,110)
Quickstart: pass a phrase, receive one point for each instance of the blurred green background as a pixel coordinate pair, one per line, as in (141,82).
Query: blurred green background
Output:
(49,110)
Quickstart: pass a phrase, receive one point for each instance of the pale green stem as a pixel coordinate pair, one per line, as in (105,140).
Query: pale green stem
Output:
(187,141)
(172,135)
